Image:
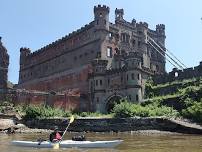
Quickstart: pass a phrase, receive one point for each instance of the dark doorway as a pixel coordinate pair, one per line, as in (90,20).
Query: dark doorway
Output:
(111,102)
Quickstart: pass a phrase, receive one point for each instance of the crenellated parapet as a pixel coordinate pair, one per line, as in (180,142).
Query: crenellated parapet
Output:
(142,25)
(63,39)
(24,53)
(119,14)
(160,30)
(176,74)
(101,8)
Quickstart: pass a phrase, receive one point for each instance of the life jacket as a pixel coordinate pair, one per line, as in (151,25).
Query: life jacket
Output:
(57,136)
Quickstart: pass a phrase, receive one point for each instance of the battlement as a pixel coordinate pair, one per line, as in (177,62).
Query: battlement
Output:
(24,50)
(160,27)
(101,8)
(119,11)
(133,22)
(145,24)
(66,37)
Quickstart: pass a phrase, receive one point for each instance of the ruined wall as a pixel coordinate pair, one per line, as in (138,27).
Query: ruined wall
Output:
(176,74)
(72,79)
(4,63)
(67,101)
(68,53)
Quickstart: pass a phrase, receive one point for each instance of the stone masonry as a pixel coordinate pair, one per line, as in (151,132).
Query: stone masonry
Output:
(4,62)
(176,74)
(104,61)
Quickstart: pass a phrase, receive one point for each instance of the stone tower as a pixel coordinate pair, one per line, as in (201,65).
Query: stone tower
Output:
(101,17)
(119,14)
(4,62)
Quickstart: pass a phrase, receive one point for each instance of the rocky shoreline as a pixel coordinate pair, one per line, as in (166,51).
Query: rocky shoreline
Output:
(146,126)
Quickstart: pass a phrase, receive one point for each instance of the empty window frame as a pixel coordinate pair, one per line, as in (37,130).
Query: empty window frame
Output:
(109,52)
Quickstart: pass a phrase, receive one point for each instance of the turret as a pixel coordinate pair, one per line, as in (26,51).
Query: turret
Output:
(160,30)
(142,29)
(133,22)
(101,17)
(119,14)
(133,76)
(24,52)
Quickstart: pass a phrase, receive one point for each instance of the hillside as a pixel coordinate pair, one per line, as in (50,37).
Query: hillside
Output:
(184,96)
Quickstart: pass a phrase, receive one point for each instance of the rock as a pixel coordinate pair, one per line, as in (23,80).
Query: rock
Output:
(20,126)
(6,123)
(10,130)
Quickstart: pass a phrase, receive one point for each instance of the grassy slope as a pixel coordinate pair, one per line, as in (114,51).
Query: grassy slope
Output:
(185,96)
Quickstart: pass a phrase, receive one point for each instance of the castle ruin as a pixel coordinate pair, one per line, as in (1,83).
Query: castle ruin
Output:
(103,61)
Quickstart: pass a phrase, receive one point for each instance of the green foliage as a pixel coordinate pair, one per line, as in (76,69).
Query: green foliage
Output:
(90,114)
(172,88)
(38,112)
(6,106)
(32,112)
(187,94)
(149,88)
(123,110)
(193,112)
(6,103)
(190,92)
(126,109)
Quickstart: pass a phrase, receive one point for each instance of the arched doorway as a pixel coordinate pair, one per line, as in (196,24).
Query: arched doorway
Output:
(111,101)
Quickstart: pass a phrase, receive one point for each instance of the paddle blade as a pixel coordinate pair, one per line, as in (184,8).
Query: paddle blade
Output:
(56,146)
(71,119)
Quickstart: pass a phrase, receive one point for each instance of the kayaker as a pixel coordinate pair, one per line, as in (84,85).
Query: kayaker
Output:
(56,135)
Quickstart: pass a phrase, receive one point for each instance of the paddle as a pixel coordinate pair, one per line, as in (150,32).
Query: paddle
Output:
(56,145)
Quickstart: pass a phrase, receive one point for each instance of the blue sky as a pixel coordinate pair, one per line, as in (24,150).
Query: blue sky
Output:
(35,23)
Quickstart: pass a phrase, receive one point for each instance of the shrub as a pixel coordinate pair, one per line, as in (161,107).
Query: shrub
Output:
(193,92)
(126,109)
(90,114)
(123,110)
(149,88)
(193,112)
(32,112)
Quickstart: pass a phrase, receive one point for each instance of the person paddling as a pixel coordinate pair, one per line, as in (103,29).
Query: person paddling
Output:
(55,136)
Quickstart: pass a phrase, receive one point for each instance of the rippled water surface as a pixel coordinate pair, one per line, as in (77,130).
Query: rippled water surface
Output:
(132,143)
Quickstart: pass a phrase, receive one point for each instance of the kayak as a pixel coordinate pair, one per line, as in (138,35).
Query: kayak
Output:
(68,144)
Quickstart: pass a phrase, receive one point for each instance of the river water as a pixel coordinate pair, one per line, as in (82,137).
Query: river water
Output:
(132,143)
